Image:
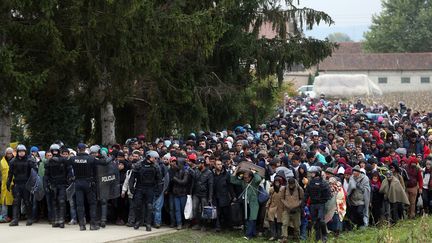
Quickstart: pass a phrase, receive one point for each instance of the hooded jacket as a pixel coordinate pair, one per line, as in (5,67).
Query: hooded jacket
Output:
(6,197)
(415,177)
(275,207)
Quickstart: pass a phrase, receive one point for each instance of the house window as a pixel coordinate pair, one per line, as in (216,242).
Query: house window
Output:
(405,80)
(382,80)
(425,80)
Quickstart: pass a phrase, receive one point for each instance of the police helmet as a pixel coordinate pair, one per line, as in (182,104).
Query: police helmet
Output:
(315,169)
(94,149)
(54,147)
(21,147)
(152,154)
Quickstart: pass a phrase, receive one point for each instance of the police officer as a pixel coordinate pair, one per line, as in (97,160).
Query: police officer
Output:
(101,158)
(58,174)
(318,191)
(19,172)
(143,180)
(84,167)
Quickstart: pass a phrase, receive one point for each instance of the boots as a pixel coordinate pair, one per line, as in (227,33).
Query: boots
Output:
(82,227)
(149,213)
(62,210)
(15,220)
(29,222)
(29,215)
(94,227)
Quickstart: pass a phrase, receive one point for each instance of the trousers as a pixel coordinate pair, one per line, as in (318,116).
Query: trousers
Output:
(143,196)
(58,198)
(85,190)
(20,193)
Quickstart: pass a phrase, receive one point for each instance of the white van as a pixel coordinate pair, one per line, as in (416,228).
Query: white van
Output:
(307,90)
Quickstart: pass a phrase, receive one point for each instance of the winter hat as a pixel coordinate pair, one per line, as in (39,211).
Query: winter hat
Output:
(329,171)
(105,150)
(192,157)
(9,150)
(167,156)
(412,160)
(81,146)
(342,161)
(322,147)
(356,168)
(348,171)
(34,149)
(229,144)
(401,151)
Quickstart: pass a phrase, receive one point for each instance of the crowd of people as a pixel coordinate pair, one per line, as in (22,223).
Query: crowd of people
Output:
(324,164)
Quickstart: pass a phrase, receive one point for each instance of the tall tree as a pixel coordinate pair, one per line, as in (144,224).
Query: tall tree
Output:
(402,26)
(182,65)
(208,91)
(28,41)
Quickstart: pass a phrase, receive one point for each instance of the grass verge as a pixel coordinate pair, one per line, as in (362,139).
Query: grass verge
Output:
(406,231)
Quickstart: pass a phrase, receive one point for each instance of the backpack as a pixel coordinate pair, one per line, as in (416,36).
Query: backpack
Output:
(263,195)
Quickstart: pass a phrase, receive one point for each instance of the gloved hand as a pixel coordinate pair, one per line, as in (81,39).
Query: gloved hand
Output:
(8,186)
(71,179)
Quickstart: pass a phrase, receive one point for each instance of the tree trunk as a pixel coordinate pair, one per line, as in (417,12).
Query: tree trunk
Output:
(108,124)
(5,130)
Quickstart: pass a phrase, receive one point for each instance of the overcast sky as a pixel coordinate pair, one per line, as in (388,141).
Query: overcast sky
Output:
(351,16)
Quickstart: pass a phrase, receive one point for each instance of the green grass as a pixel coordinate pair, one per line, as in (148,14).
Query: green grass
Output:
(406,231)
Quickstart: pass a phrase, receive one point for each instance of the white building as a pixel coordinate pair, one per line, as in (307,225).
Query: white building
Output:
(393,72)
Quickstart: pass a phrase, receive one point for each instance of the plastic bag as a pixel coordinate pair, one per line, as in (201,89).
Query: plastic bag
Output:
(188,213)
(420,202)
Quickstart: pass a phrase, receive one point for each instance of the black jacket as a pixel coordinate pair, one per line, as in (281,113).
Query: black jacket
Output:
(20,169)
(180,182)
(318,191)
(202,183)
(223,190)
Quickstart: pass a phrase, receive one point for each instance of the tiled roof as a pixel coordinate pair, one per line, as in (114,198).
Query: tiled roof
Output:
(350,57)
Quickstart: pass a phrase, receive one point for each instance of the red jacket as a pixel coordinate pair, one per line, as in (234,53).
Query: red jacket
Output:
(414,173)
